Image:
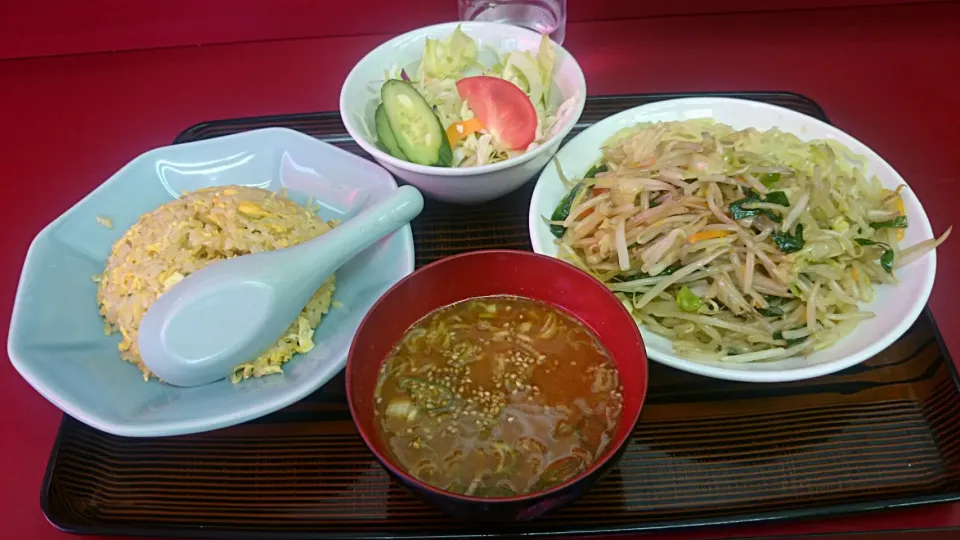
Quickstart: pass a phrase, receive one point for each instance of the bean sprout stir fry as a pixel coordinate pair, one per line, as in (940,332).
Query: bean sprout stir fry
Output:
(739,246)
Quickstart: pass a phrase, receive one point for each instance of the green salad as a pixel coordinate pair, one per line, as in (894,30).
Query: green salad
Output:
(455,111)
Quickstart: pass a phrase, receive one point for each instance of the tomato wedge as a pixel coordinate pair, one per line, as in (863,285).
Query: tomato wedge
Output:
(505,111)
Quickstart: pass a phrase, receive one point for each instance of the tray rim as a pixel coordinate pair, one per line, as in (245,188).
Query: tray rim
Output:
(184,135)
(827,511)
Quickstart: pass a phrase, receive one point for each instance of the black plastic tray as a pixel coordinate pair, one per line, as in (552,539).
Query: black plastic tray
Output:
(706,452)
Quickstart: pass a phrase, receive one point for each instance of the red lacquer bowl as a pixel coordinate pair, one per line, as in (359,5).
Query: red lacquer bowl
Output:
(486,273)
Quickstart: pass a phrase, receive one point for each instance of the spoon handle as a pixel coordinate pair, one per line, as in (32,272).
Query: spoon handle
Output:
(324,254)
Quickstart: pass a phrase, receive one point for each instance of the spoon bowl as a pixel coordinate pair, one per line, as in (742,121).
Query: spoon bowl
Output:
(229,312)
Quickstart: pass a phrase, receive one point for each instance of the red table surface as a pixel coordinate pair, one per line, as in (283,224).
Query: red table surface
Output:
(887,75)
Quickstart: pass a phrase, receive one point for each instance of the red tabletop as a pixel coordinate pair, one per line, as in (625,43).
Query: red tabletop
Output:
(887,75)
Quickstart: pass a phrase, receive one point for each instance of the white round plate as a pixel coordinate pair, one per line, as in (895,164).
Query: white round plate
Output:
(896,307)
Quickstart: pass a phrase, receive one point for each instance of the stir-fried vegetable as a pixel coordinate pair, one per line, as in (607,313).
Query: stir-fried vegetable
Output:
(899,222)
(562,211)
(769,179)
(687,300)
(788,243)
(737,245)
(746,207)
(596,169)
(773,308)
(886,259)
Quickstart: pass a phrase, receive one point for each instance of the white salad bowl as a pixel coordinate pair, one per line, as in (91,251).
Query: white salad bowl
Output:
(57,340)
(896,307)
(360,95)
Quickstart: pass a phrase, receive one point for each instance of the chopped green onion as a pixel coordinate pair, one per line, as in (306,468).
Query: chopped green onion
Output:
(687,300)
(769,179)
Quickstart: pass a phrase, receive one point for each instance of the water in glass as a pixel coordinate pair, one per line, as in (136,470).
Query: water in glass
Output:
(544,16)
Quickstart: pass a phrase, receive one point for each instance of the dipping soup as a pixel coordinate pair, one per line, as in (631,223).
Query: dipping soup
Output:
(498,396)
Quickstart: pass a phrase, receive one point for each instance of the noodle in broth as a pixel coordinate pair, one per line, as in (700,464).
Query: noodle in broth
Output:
(498,396)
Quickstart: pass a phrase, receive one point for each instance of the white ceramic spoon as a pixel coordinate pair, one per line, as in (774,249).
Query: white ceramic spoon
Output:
(230,312)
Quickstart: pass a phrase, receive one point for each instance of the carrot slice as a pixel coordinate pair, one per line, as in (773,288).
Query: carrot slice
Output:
(706,235)
(898,200)
(903,211)
(461,130)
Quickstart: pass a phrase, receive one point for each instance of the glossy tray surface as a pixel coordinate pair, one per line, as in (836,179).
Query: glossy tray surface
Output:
(706,452)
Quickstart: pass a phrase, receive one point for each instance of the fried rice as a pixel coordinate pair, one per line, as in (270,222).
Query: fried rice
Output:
(189,233)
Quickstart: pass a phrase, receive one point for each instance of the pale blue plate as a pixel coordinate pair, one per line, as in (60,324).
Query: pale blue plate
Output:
(56,338)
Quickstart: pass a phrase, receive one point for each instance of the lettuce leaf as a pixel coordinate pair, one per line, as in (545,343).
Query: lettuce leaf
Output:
(533,73)
(443,59)
(547,58)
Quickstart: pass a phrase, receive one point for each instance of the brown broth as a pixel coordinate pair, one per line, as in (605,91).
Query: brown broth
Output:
(498,396)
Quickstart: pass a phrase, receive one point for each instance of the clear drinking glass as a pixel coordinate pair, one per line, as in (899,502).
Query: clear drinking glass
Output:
(544,16)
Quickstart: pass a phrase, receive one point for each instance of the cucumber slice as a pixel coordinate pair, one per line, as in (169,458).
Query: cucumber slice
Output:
(385,134)
(416,128)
